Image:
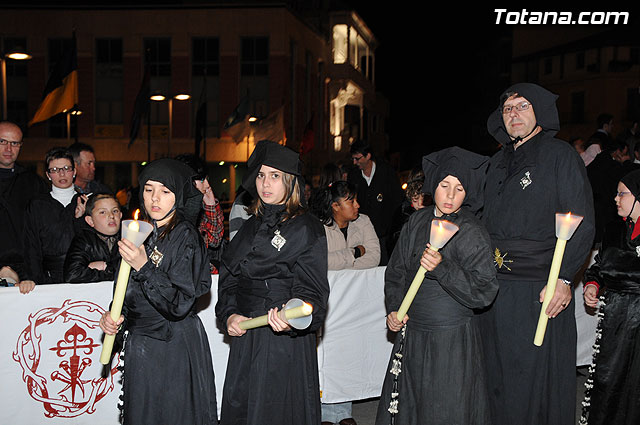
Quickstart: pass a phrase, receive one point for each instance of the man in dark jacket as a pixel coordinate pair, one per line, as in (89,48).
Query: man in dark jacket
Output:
(17,187)
(379,193)
(533,177)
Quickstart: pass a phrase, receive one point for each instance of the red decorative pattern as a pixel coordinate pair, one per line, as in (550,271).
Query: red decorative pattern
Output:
(68,394)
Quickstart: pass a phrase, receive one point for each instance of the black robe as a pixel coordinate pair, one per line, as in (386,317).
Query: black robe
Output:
(524,190)
(87,247)
(272,378)
(442,381)
(616,380)
(17,188)
(168,371)
(49,228)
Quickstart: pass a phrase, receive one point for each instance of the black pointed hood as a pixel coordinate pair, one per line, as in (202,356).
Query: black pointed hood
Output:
(468,167)
(177,177)
(544,106)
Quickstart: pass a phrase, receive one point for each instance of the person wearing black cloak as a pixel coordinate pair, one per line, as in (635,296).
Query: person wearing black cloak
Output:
(168,372)
(611,390)
(279,253)
(533,177)
(436,373)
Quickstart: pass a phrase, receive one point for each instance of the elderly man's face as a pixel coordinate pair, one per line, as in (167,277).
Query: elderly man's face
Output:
(519,121)
(9,154)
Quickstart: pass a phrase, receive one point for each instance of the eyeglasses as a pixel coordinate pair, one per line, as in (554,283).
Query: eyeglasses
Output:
(13,144)
(621,194)
(522,106)
(357,158)
(56,170)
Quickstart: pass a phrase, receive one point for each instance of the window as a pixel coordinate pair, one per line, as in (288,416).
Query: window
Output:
(205,59)
(548,66)
(340,44)
(577,107)
(157,53)
(205,82)
(254,56)
(109,82)
(580,60)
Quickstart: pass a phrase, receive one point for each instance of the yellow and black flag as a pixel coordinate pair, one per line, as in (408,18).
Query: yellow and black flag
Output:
(61,91)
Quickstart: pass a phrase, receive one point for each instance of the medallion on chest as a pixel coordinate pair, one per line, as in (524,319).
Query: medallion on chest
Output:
(278,240)
(156,256)
(526,180)
(638,251)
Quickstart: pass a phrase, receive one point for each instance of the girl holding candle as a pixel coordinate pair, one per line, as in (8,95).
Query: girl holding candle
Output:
(436,371)
(612,394)
(168,371)
(279,253)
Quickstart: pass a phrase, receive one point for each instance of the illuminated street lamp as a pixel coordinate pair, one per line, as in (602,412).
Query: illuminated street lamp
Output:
(15,54)
(159,97)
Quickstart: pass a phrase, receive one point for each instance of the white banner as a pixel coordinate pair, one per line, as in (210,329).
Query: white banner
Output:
(51,343)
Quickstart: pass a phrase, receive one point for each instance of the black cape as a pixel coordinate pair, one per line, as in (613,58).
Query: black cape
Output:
(168,371)
(272,378)
(17,188)
(616,379)
(525,189)
(442,381)
(49,228)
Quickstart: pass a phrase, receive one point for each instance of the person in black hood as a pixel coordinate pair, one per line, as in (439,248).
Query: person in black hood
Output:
(611,390)
(533,177)
(279,253)
(165,344)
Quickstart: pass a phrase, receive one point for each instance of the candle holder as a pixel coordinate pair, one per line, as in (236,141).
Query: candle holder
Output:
(136,232)
(296,313)
(566,225)
(441,232)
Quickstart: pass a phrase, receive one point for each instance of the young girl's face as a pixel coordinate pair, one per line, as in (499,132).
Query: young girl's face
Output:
(449,195)
(158,201)
(105,216)
(345,209)
(624,202)
(270,186)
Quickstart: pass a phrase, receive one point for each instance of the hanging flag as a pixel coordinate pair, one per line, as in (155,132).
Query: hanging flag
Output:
(61,91)
(141,106)
(237,125)
(308,137)
(271,127)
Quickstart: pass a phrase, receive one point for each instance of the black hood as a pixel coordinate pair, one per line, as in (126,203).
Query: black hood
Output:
(632,181)
(177,177)
(468,167)
(544,107)
(273,155)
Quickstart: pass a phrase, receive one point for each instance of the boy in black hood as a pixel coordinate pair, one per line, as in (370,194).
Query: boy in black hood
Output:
(533,177)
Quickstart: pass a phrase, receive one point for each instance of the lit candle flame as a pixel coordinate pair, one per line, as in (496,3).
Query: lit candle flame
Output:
(136,213)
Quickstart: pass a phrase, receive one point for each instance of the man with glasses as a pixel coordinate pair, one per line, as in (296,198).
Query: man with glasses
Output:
(17,187)
(379,193)
(533,177)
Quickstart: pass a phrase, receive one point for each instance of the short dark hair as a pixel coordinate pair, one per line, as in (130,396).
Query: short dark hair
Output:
(58,152)
(78,147)
(603,119)
(362,147)
(91,202)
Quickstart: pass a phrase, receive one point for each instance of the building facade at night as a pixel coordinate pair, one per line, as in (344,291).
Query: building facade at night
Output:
(298,66)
